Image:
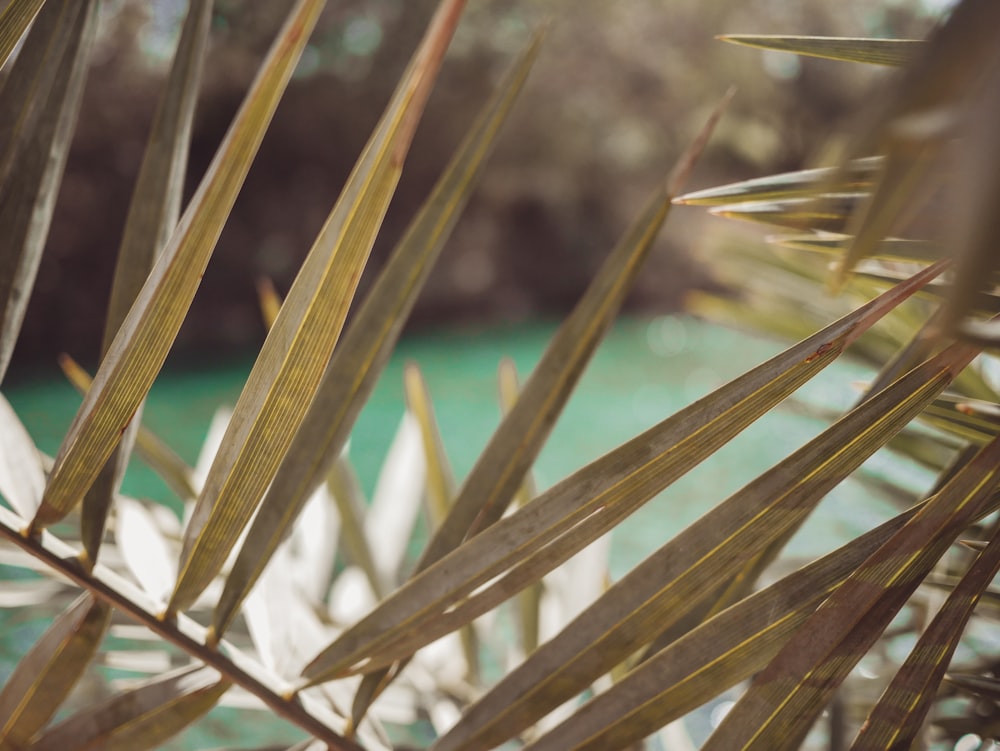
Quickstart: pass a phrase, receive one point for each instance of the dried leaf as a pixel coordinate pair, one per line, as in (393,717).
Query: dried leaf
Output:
(895,52)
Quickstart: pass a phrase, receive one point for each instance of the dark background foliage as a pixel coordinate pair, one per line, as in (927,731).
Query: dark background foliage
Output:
(618,90)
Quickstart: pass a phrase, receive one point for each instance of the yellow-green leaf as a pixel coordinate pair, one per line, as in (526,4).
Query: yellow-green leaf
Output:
(894,52)
(22,479)
(141,718)
(627,476)
(362,353)
(152,216)
(145,337)
(780,706)
(47,673)
(38,108)
(698,562)
(298,347)
(13,21)
(823,213)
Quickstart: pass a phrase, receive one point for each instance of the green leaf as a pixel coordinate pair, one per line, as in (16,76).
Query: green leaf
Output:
(142,343)
(142,718)
(687,570)
(287,373)
(780,706)
(440,476)
(899,714)
(38,109)
(47,673)
(361,355)
(152,216)
(894,52)
(596,497)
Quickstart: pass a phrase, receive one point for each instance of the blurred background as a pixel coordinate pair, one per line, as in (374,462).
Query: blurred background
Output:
(619,89)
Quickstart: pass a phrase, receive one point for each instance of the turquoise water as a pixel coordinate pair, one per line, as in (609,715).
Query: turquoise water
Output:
(646,369)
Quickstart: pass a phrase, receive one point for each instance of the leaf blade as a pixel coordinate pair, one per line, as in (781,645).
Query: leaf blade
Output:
(141,345)
(287,373)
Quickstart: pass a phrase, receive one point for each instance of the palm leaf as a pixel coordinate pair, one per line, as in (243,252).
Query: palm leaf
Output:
(148,331)
(894,52)
(781,705)
(13,21)
(629,476)
(152,217)
(142,718)
(299,344)
(46,674)
(38,109)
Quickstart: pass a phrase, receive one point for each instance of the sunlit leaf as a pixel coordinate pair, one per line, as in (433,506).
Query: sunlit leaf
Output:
(890,249)
(287,373)
(367,344)
(440,476)
(595,498)
(824,213)
(142,343)
(897,718)
(895,52)
(46,674)
(857,177)
(779,708)
(22,480)
(38,109)
(152,216)
(147,554)
(142,718)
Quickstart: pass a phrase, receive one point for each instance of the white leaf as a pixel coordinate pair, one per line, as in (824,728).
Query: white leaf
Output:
(22,480)
(146,551)
(397,498)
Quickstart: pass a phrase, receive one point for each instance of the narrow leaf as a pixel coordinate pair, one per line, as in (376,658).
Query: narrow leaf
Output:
(779,708)
(366,346)
(145,550)
(696,563)
(13,22)
(440,476)
(39,104)
(899,714)
(346,490)
(529,601)
(142,343)
(822,213)
(627,476)
(151,218)
(688,672)
(915,116)
(857,177)
(22,479)
(891,249)
(152,450)
(298,347)
(894,52)
(513,448)
(46,674)
(142,718)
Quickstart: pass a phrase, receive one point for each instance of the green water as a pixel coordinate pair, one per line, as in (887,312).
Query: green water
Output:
(645,370)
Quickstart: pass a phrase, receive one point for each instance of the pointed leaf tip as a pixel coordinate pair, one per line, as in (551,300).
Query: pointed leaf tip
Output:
(685,165)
